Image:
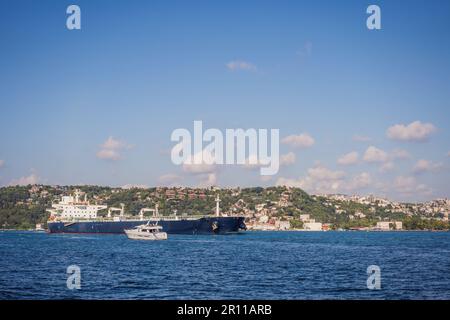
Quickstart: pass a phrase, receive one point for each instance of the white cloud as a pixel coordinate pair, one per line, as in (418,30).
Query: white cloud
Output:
(211,180)
(200,163)
(322,173)
(373,154)
(400,154)
(360,138)
(287,159)
(303,140)
(24,181)
(199,168)
(170,179)
(405,184)
(206,180)
(408,186)
(240,65)
(423,165)
(349,158)
(385,159)
(387,166)
(424,189)
(360,181)
(2,163)
(252,162)
(107,154)
(415,131)
(111,149)
(288,182)
(448,154)
(255,163)
(319,179)
(265,178)
(113,144)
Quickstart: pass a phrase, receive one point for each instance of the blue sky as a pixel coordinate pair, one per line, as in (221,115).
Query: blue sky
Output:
(137,70)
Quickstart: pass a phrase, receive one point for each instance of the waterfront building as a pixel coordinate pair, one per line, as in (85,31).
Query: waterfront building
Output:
(313,226)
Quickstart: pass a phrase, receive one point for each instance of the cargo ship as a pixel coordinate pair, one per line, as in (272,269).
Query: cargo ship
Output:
(73,215)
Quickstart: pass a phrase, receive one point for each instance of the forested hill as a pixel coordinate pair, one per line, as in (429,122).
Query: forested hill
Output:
(23,206)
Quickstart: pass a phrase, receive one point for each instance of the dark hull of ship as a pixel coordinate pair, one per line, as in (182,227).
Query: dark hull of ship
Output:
(205,225)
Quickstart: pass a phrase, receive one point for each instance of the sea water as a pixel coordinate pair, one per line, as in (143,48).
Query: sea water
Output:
(251,265)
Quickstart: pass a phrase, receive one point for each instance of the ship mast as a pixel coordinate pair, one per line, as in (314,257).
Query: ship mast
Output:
(217,206)
(77,196)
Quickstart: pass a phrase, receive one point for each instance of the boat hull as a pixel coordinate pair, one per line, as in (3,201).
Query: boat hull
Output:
(136,235)
(205,225)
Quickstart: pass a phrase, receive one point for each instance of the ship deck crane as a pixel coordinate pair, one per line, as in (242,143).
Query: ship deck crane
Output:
(154,211)
(121,210)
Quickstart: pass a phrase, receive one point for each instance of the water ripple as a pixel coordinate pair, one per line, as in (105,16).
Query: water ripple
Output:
(255,265)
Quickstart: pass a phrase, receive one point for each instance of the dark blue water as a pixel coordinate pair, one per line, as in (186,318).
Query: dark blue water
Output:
(254,265)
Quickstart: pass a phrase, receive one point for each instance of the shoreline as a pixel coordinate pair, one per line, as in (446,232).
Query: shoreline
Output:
(293,230)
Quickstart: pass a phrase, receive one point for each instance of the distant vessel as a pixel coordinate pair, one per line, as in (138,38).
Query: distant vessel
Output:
(146,232)
(39,228)
(72,215)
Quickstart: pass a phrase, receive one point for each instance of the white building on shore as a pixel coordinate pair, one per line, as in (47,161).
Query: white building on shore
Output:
(312,226)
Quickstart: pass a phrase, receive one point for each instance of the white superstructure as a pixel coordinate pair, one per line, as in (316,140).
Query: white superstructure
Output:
(146,232)
(71,207)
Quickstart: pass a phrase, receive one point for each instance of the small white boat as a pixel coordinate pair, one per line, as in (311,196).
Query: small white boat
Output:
(146,232)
